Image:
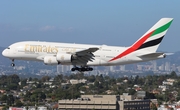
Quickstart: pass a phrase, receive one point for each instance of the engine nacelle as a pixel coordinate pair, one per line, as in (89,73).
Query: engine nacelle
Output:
(50,60)
(64,58)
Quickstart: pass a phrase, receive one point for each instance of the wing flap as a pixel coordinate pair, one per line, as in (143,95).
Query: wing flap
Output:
(86,55)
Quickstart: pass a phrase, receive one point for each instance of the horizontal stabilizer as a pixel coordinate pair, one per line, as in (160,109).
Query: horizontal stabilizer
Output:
(153,55)
(169,53)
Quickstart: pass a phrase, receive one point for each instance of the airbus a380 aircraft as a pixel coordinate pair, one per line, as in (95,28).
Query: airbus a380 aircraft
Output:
(84,56)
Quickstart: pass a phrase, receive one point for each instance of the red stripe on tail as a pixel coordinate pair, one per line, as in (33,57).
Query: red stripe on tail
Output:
(133,47)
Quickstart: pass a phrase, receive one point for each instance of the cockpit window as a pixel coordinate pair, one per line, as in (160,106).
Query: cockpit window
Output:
(8,48)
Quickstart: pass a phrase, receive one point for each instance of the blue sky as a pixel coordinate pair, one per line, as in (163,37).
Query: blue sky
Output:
(110,22)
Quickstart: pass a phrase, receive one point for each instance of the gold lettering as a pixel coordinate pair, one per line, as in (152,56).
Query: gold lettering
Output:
(26,48)
(40,48)
(44,49)
(54,50)
(33,48)
(69,49)
(49,49)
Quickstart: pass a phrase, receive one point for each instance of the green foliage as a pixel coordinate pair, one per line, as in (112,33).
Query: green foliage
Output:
(150,95)
(91,78)
(38,92)
(45,78)
(173,74)
(18,103)
(10,100)
(4,98)
(12,86)
(132,92)
(5,108)
(153,106)
(9,82)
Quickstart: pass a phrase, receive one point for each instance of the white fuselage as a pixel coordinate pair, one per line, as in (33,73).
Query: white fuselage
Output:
(37,51)
(53,53)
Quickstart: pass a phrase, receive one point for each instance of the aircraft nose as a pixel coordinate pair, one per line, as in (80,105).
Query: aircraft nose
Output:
(5,53)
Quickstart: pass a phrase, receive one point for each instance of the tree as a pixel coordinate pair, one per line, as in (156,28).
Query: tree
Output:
(173,74)
(100,78)
(18,103)
(13,79)
(5,107)
(23,82)
(96,83)
(45,78)
(59,78)
(4,98)
(30,79)
(132,91)
(91,78)
(12,86)
(42,95)
(153,106)
(150,95)
(10,100)
(136,79)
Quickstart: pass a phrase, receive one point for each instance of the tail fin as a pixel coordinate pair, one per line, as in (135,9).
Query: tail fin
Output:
(151,40)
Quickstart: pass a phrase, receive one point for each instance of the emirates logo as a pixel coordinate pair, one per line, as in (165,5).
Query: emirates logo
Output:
(49,60)
(62,57)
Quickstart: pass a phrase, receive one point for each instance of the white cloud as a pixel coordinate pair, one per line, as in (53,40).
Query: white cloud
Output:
(69,29)
(47,28)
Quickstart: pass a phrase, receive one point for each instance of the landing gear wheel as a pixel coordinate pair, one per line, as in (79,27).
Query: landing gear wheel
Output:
(82,69)
(90,69)
(73,69)
(12,64)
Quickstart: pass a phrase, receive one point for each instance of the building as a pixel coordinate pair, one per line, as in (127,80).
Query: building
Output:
(122,67)
(89,102)
(167,66)
(154,65)
(75,81)
(62,69)
(104,102)
(29,108)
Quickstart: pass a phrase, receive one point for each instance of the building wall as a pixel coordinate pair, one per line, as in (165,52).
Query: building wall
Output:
(134,105)
(100,97)
(126,97)
(78,104)
(104,102)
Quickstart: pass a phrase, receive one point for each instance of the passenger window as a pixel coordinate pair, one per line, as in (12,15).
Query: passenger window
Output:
(8,48)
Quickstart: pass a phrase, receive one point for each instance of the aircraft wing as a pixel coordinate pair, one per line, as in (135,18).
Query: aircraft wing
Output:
(83,56)
(89,50)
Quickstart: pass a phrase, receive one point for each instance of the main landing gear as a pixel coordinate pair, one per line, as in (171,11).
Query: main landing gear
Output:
(12,64)
(82,69)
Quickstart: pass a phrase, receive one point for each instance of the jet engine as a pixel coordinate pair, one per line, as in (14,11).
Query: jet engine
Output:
(64,58)
(50,60)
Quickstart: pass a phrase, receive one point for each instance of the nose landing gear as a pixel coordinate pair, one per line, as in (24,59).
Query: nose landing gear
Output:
(12,64)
